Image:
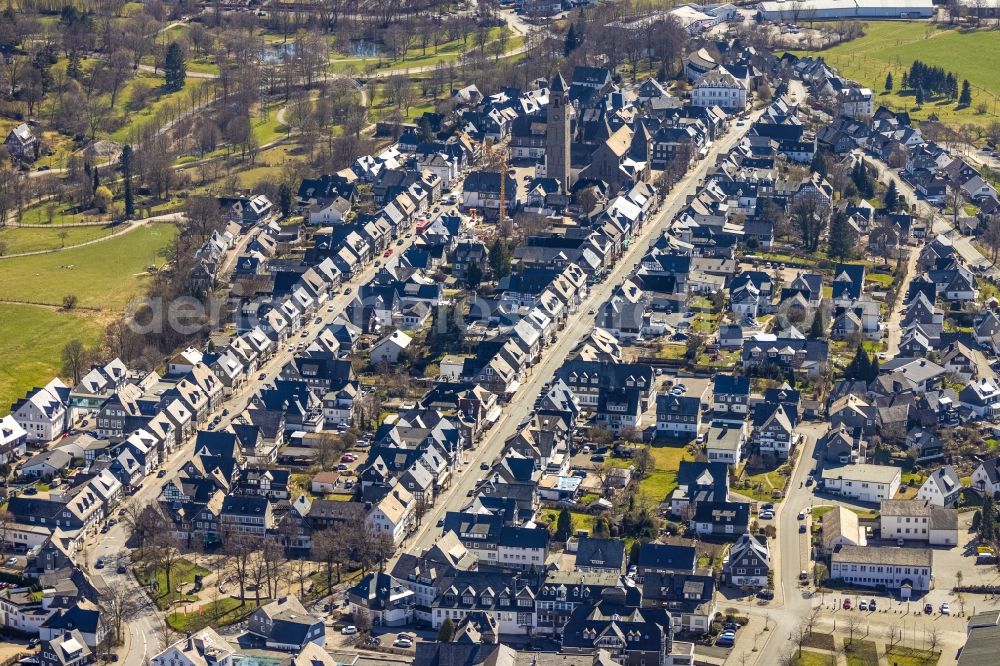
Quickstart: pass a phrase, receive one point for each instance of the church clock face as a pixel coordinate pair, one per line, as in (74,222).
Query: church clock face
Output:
(555,116)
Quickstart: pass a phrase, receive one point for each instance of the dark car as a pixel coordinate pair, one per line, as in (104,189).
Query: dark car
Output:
(99,564)
(731,626)
(484,466)
(120,569)
(162,473)
(597,459)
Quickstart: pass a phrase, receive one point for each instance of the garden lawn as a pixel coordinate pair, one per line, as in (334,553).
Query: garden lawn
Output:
(31,341)
(581,521)
(883,280)
(660,483)
(22,239)
(102,275)
(892,46)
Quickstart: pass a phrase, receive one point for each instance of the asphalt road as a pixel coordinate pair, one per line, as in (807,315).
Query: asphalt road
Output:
(142,627)
(143,641)
(579,325)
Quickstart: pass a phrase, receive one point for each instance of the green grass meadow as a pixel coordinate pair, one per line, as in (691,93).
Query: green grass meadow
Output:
(892,46)
(104,276)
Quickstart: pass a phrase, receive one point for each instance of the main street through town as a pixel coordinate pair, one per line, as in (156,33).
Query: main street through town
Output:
(520,405)
(144,625)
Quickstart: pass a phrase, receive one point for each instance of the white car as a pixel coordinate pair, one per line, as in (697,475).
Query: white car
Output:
(945,609)
(349,630)
(402,643)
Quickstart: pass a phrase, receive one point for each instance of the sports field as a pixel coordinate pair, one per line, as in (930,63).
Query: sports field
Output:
(892,46)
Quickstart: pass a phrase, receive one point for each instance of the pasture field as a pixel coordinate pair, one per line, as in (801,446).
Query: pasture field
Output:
(892,46)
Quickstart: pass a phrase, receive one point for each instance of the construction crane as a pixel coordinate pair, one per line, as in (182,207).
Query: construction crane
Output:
(495,156)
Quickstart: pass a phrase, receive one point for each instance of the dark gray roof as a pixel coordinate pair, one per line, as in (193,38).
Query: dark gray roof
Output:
(600,553)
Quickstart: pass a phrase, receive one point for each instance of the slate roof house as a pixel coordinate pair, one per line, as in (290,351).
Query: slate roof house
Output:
(284,624)
(748,564)
(600,555)
(690,598)
(699,482)
(22,144)
(721,519)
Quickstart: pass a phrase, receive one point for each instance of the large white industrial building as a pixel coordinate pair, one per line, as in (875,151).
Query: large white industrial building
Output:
(829,10)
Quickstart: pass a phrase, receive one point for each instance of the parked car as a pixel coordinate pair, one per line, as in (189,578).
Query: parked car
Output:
(349,630)
(162,473)
(99,564)
(872,605)
(120,569)
(945,609)
(402,643)
(484,466)
(802,529)
(726,639)
(847,604)
(11,561)
(731,626)
(928,608)
(863,606)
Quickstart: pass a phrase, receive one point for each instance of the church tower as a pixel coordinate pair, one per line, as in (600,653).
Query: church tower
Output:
(557,134)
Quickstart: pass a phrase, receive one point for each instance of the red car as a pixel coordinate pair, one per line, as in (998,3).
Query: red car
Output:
(847,604)
(387,253)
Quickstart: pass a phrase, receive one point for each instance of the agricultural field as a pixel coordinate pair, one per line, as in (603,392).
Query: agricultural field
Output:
(892,46)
